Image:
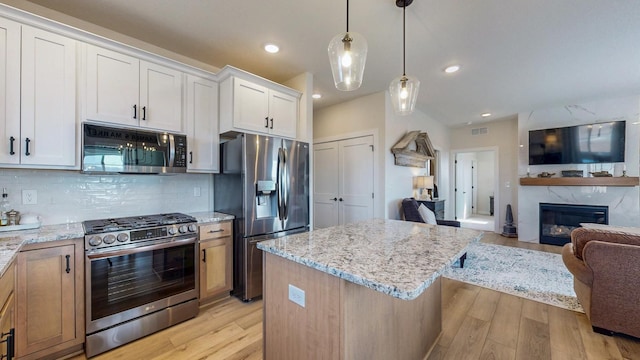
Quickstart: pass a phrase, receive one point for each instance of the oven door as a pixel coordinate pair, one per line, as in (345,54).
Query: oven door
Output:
(125,284)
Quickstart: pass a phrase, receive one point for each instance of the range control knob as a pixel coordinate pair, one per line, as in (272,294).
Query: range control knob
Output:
(193,228)
(122,237)
(95,240)
(172,230)
(109,239)
(183,229)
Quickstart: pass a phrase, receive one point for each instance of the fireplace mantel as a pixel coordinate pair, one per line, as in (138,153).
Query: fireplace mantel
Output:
(581,181)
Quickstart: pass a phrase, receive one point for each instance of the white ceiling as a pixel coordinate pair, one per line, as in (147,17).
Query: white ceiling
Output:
(516,55)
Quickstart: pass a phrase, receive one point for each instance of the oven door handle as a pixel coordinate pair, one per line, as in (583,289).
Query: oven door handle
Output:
(127,251)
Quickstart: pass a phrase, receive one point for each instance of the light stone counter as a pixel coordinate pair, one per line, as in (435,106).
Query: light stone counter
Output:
(211,216)
(398,258)
(12,241)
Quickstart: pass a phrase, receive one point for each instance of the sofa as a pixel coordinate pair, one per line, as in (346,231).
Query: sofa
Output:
(605,263)
(411,213)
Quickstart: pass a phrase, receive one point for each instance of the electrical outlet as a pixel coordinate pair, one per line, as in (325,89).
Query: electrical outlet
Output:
(196,191)
(29,197)
(296,295)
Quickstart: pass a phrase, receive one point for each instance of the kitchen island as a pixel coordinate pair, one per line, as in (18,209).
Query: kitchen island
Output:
(367,290)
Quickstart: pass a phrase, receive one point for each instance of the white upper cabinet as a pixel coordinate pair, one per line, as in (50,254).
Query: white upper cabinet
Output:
(125,90)
(42,133)
(251,103)
(9,92)
(202,125)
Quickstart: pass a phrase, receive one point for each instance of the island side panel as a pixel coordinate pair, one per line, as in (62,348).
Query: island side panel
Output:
(291,331)
(379,326)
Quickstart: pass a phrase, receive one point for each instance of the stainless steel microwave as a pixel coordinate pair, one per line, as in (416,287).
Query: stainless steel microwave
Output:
(112,150)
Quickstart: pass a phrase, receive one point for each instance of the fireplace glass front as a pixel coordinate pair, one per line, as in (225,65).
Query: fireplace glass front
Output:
(558,220)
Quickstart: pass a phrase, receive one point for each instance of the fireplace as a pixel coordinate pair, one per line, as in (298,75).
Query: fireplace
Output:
(558,220)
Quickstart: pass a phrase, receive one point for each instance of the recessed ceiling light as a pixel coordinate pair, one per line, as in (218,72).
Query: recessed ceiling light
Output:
(451,69)
(271,48)
(316,96)
(485,114)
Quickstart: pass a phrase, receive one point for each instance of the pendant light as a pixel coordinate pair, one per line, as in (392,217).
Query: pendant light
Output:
(404,89)
(347,55)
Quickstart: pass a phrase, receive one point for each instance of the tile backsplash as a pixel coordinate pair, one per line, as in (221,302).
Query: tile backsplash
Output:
(69,196)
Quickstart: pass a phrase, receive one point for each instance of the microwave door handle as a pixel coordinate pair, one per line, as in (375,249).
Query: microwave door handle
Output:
(172,151)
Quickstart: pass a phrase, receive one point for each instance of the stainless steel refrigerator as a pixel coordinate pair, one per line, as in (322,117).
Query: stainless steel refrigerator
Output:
(264,182)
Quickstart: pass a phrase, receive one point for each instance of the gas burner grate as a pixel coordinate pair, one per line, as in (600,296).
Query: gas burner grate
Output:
(134,222)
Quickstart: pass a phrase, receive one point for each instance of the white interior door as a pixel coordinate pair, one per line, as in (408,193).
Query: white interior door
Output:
(325,185)
(356,179)
(343,182)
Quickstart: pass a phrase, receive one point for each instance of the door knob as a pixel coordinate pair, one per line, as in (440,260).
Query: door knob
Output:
(340,199)
(334,199)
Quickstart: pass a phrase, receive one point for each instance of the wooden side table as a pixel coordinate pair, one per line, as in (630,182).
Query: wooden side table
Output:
(437,206)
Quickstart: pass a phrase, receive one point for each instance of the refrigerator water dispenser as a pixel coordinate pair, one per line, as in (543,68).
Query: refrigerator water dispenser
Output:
(266,199)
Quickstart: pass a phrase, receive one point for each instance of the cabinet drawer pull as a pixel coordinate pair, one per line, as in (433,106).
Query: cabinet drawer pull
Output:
(135,111)
(215,231)
(68,269)
(11,140)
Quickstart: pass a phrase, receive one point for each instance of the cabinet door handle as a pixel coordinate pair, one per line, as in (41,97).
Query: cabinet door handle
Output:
(135,111)
(68,269)
(204,255)
(215,231)
(27,141)
(190,157)
(10,341)
(271,123)
(266,124)
(11,140)
(144,113)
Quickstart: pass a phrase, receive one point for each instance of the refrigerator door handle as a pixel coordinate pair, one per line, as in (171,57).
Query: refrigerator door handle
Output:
(279,183)
(286,178)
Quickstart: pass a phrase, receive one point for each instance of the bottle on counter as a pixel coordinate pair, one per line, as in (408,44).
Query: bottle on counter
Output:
(5,207)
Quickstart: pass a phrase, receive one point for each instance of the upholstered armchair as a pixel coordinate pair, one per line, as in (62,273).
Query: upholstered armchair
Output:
(605,263)
(410,210)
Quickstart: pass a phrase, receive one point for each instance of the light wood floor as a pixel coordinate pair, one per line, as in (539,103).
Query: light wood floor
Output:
(477,324)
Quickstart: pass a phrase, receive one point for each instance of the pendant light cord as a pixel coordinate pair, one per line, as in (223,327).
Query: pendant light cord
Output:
(404,37)
(347,15)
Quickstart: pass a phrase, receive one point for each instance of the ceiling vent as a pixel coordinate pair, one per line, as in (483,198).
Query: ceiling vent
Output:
(479,131)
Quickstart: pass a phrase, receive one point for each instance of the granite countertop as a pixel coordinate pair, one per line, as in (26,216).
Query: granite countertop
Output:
(12,241)
(398,258)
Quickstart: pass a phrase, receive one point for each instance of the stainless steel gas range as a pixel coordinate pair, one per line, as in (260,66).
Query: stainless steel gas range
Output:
(141,277)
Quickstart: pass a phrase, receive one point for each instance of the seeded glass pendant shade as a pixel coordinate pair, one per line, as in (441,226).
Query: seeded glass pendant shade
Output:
(347,55)
(404,89)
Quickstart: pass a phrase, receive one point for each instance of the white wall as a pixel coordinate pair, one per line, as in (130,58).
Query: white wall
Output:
(69,196)
(623,202)
(399,179)
(503,136)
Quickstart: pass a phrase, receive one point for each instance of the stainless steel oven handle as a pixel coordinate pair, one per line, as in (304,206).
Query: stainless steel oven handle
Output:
(142,248)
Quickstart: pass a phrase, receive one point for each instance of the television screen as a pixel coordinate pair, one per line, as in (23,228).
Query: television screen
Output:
(582,144)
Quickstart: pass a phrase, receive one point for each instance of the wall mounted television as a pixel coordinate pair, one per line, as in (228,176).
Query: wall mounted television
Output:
(581,144)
